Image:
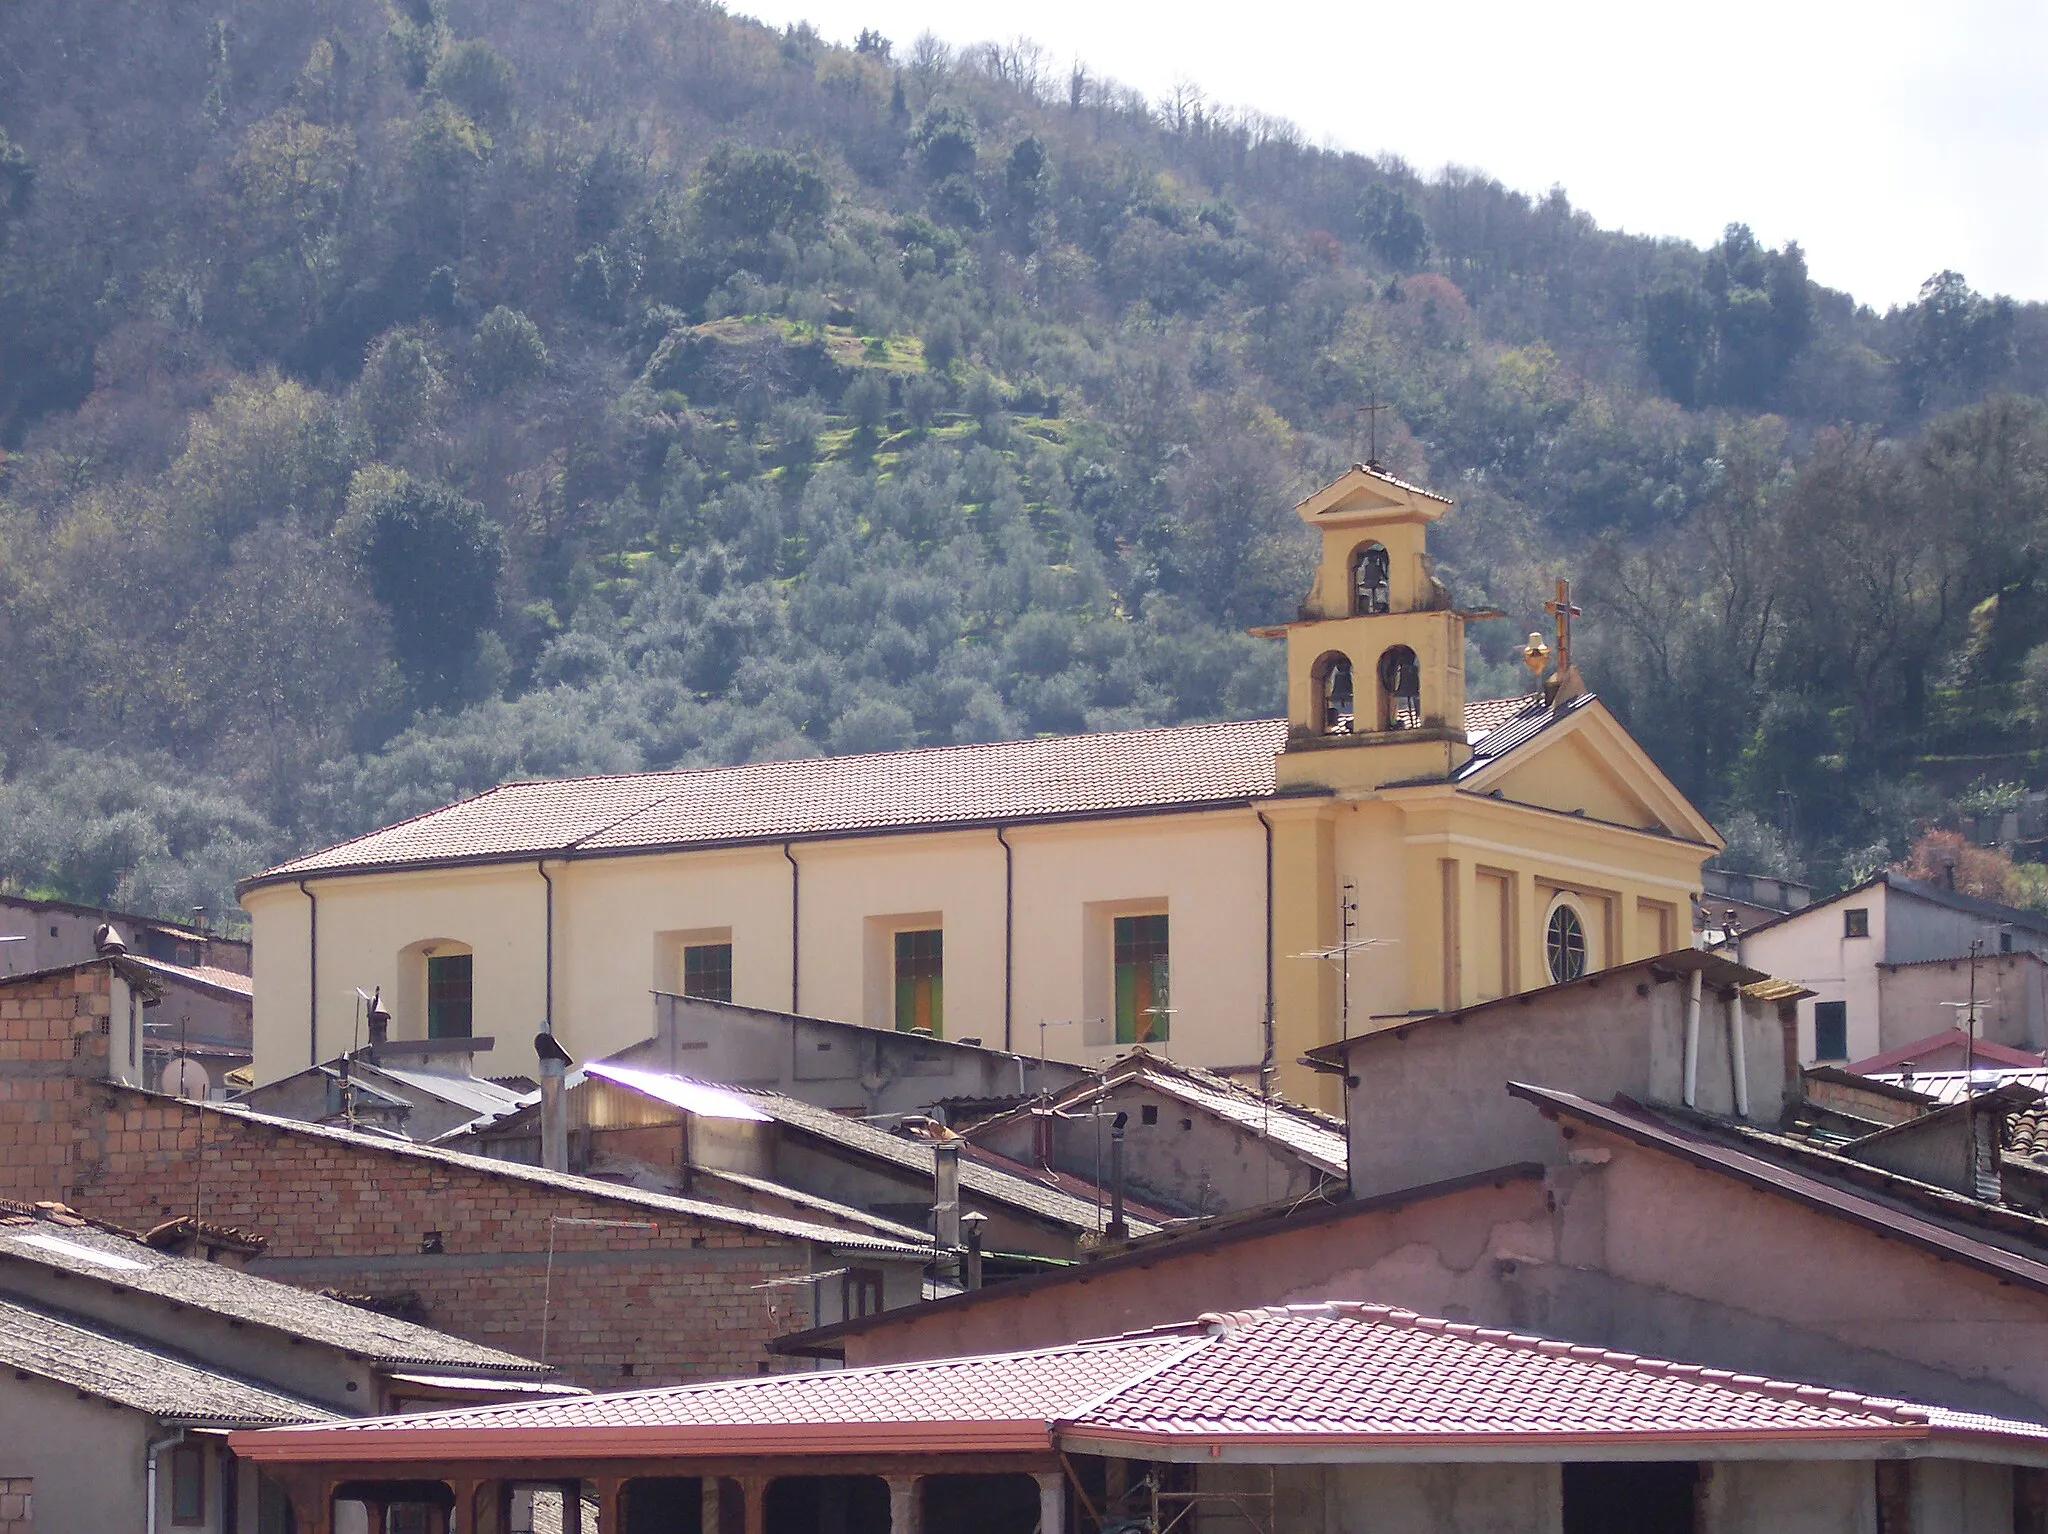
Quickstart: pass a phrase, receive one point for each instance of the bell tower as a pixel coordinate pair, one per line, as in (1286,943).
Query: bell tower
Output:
(1376,659)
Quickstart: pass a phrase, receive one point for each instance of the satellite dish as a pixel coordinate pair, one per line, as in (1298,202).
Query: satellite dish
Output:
(185,1078)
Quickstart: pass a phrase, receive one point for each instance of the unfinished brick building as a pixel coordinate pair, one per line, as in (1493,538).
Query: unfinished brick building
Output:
(611,1284)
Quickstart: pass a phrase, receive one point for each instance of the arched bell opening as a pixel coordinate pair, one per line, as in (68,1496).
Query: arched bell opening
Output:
(1400,679)
(1334,697)
(1372,589)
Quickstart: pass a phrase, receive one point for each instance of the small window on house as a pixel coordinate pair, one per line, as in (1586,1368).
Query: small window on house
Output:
(1856,922)
(707,971)
(2005,941)
(1142,1009)
(860,1293)
(188,1485)
(1831,1030)
(449,978)
(1631,1498)
(1149,1114)
(920,983)
(1564,944)
(1371,591)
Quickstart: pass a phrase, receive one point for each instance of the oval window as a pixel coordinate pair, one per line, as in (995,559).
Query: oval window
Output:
(1565,944)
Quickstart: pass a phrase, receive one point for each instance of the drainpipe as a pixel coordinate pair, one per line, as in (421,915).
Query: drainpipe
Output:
(1009,930)
(312,975)
(1268,1061)
(547,1015)
(1737,1054)
(156,1447)
(795,931)
(1692,1042)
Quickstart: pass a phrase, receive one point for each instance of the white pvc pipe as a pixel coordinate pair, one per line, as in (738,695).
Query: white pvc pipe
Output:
(1692,1042)
(1735,1046)
(149,1476)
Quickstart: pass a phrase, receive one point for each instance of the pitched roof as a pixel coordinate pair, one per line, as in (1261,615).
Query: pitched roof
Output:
(564,1182)
(89,1252)
(98,1361)
(210,977)
(1954,900)
(984,1181)
(1061,777)
(1337,1374)
(1990,1053)
(1314,1137)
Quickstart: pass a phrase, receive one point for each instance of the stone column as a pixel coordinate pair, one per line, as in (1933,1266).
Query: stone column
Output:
(905,1512)
(1052,1502)
(611,1504)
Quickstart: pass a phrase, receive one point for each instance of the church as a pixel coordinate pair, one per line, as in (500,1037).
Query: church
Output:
(1231,895)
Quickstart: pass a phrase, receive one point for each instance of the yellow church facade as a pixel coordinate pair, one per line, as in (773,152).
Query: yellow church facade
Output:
(1230,894)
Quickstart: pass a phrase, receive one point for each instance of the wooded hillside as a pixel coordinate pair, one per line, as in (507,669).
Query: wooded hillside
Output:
(397,398)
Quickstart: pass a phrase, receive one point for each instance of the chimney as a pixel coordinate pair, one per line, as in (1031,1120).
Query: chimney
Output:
(1118,1228)
(554,1123)
(974,1220)
(106,940)
(946,1176)
(380,1021)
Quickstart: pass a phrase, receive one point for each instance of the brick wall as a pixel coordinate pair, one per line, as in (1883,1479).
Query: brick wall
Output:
(17,1504)
(690,1299)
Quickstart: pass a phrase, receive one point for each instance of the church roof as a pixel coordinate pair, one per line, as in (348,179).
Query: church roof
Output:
(1061,777)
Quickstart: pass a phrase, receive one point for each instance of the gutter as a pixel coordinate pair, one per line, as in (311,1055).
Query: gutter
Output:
(1268,1065)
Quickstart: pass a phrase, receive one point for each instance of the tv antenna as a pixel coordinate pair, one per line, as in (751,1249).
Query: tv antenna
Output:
(1348,943)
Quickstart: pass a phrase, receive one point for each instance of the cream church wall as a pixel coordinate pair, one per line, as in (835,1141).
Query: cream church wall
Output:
(619,924)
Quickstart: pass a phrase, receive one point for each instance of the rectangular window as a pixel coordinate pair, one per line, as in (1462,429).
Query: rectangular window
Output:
(920,982)
(1142,1011)
(188,1485)
(448,996)
(860,1293)
(1831,1030)
(707,971)
(1856,922)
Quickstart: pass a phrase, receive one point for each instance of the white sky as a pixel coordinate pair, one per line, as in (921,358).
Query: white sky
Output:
(1891,138)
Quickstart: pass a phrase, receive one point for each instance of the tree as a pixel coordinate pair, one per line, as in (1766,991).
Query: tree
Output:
(476,78)
(744,195)
(433,560)
(507,351)
(945,142)
(1393,227)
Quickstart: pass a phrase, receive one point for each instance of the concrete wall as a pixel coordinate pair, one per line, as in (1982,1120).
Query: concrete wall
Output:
(1431,1099)
(831,1064)
(59,933)
(1810,949)
(2012,995)
(85,1456)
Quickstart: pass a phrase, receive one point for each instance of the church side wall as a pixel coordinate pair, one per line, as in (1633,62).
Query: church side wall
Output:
(620,924)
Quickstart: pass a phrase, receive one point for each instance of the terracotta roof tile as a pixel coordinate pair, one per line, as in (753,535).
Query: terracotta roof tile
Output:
(1128,771)
(1344,1370)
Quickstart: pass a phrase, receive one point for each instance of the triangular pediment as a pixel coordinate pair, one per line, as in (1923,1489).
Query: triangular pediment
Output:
(1362,494)
(1587,764)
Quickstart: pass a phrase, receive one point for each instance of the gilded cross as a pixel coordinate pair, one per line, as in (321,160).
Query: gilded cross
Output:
(1564,611)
